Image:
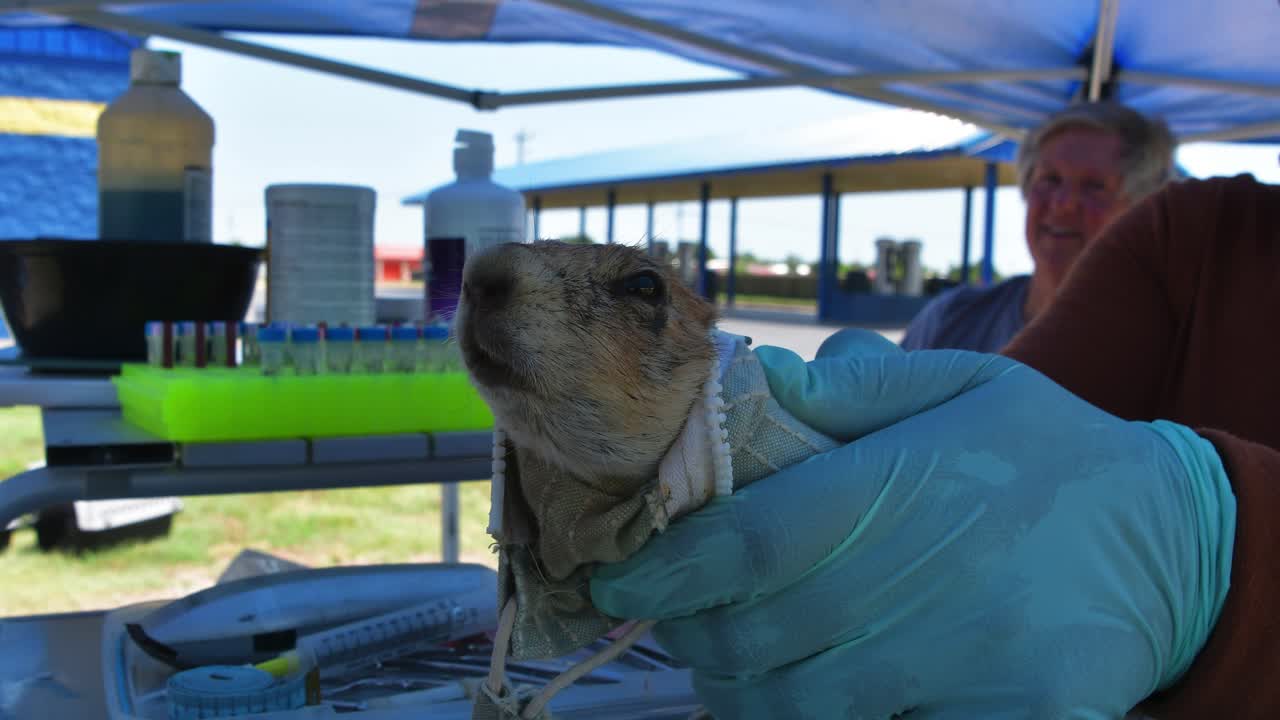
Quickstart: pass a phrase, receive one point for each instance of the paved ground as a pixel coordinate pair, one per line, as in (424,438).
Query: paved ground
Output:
(799,333)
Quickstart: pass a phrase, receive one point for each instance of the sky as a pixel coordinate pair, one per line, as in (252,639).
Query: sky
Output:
(278,124)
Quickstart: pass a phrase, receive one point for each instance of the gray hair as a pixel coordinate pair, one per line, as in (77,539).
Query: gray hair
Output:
(1146,160)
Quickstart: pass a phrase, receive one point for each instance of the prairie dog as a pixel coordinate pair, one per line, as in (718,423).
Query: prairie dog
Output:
(590,356)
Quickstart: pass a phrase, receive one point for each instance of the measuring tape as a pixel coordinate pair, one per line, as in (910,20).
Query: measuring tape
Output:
(229,690)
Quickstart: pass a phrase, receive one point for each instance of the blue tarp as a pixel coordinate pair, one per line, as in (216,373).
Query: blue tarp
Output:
(51,82)
(49,186)
(1236,41)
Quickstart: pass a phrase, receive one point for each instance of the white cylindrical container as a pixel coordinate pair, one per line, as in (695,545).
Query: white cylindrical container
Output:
(913,275)
(886,249)
(320,266)
(464,217)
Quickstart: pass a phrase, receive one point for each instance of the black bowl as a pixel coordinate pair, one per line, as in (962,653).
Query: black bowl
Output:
(91,299)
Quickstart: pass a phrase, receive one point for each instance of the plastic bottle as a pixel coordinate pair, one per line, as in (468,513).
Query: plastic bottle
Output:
(339,349)
(155,157)
(304,350)
(464,217)
(371,348)
(272,343)
(434,350)
(404,348)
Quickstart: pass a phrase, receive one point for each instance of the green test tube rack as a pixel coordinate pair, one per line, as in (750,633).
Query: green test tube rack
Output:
(223,404)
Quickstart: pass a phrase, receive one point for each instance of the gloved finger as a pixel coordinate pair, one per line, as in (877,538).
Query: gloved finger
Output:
(747,544)
(850,396)
(851,342)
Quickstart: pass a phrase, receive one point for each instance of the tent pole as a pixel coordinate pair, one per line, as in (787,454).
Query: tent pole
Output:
(1103,48)
(1242,132)
(989,226)
(1149,78)
(730,288)
(847,83)
(966,234)
(648,226)
(611,201)
(138,26)
(705,204)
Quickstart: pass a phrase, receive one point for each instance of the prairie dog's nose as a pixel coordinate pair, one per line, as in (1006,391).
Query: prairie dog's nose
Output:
(489,279)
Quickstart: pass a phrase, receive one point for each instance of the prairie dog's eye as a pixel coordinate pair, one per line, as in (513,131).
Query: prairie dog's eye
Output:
(645,285)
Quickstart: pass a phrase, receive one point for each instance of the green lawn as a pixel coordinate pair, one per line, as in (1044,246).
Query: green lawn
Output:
(318,528)
(767,300)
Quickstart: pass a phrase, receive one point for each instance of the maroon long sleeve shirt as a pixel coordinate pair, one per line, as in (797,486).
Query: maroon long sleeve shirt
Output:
(1174,314)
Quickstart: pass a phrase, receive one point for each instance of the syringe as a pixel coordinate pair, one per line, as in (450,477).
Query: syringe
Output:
(362,643)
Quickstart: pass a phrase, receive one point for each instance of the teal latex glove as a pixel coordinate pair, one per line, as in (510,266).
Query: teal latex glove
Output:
(987,545)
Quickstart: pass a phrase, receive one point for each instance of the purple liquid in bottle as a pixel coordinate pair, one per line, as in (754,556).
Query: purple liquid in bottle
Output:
(445,257)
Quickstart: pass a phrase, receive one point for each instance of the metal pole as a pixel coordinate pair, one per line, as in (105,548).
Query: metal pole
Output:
(966,235)
(730,287)
(989,226)
(826,248)
(582,222)
(611,201)
(138,26)
(648,226)
(537,216)
(703,249)
(449,551)
(1103,47)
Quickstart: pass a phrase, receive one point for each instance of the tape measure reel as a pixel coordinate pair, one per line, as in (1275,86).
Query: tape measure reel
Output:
(228,690)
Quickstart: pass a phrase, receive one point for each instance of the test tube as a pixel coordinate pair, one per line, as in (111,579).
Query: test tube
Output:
(339,349)
(155,344)
(271,345)
(186,344)
(217,343)
(371,350)
(434,357)
(250,356)
(404,348)
(304,350)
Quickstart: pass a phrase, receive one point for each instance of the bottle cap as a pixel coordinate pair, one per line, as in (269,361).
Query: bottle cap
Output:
(305,335)
(155,67)
(473,153)
(271,334)
(404,332)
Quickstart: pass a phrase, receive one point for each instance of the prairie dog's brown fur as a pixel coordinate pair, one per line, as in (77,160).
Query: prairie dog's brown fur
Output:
(590,356)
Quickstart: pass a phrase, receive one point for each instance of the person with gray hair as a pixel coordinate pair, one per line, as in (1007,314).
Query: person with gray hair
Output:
(1081,168)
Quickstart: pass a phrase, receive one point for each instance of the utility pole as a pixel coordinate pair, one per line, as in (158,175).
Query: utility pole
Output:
(522,138)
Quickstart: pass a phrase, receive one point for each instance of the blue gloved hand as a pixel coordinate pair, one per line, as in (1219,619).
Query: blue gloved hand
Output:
(988,545)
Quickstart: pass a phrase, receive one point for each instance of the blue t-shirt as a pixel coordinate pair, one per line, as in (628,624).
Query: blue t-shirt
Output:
(969,318)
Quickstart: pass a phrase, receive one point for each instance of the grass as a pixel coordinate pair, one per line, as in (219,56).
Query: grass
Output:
(806,303)
(318,528)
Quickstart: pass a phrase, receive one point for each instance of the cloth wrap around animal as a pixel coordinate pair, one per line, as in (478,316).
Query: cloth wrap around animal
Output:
(551,526)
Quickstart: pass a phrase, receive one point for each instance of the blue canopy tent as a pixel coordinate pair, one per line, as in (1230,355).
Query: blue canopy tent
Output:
(1211,70)
(53,84)
(879,150)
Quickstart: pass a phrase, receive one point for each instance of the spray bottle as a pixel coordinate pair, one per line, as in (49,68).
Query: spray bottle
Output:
(465,217)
